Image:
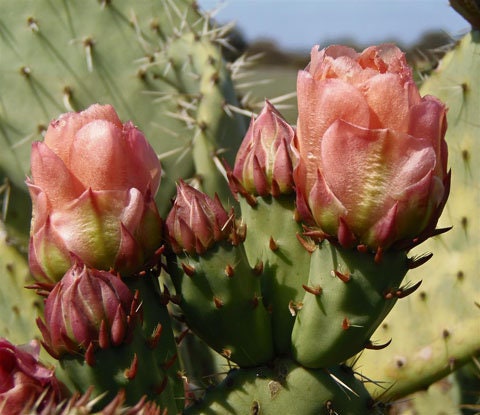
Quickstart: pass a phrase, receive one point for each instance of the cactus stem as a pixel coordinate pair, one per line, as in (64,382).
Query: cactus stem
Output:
(273,245)
(317,290)
(258,268)
(417,261)
(229,271)
(371,346)
(90,355)
(152,342)
(218,302)
(131,372)
(343,277)
(309,245)
(188,269)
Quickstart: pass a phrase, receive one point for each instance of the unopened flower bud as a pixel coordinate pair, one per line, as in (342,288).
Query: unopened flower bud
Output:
(87,308)
(263,164)
(196,221)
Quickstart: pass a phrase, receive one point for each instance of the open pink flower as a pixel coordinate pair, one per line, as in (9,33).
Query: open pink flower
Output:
(24,380)
(373,159)
(92,186)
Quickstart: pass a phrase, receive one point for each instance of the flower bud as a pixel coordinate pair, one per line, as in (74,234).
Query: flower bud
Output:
(24,380)
(92,187)
(87,308)
(196,221)
(373,159)
(264,161)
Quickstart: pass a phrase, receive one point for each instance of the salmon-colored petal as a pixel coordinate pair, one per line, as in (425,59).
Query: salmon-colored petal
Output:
(50,174)
(62,131)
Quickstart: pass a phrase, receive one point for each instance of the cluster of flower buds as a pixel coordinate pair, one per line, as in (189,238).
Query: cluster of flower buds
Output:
(369,156)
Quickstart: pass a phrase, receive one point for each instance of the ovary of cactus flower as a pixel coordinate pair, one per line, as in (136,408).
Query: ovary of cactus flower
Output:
(263,164)
(24,381)
(196,221)
(373,159)
(92,186)
(86,310)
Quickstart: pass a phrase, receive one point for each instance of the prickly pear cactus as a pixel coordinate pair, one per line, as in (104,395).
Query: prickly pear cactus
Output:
(159,63)
(435,330)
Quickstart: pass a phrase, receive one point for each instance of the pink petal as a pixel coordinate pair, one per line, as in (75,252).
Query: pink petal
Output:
(319,105)
(388,98)
(61,132)
(99,158)
(50,174)
(365,169)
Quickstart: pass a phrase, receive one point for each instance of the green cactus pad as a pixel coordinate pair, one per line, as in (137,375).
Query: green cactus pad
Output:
(272,241)
(222,303)
(287,388)
(436,330)
(349,293)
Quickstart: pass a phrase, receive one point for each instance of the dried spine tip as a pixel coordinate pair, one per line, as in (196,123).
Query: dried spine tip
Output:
(188,269)
(317,290)
(416,262)
(90,355)
(229,271)
(294,307)
(152,342)
(345,323)
(402,292)
(272,244)
(308,245)
(343,277)
(378,255)
(255,301)
(372,346)
(131,372)
(227,353)
(258,268)
(218,302)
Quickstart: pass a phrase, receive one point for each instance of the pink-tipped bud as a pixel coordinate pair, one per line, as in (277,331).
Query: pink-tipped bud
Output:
(196,221)
(372,155)
(264,161)
(24,380)
(87,308)
(92,187)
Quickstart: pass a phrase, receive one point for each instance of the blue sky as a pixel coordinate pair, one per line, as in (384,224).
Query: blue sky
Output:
(299,24)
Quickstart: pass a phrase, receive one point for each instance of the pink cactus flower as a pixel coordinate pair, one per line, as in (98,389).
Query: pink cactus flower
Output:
(373,158)
(264,161)
(88,309)
(24,381)
(196,221)
(92,186)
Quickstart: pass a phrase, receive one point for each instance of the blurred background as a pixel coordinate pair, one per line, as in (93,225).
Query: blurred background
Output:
(283,32)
